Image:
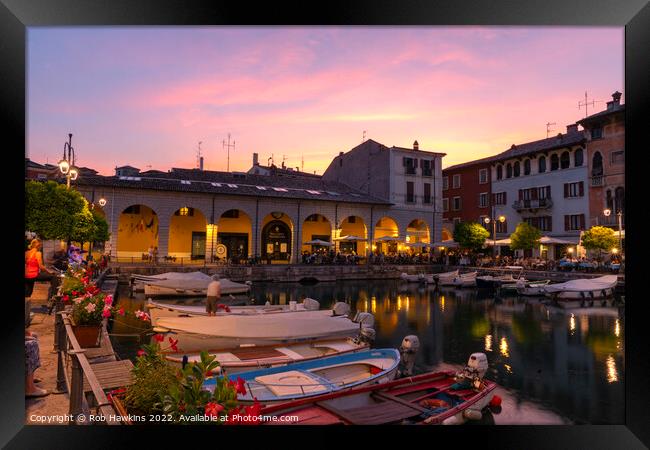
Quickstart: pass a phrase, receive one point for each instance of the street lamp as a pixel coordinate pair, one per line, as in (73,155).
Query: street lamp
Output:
(487,220)
(607,212)
(102,202)
(66,165)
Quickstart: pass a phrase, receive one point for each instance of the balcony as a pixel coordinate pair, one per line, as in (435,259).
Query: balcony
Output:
(427,172)
(523,205)
(597,181)
(611,221)
(410,170)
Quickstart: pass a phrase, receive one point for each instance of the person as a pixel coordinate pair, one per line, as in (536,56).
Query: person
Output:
(155,254)
(34,266)
(32,362)
(214,294)
(150,253)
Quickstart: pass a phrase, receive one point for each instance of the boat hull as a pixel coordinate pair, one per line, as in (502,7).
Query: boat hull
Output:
(155,290)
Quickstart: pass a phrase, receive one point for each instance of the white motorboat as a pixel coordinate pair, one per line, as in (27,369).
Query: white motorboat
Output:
(254,357)
(196,333)
(418,278)
(465,280)
(191,287)
(531,288)
(446,278)
(138,281)
(582,292)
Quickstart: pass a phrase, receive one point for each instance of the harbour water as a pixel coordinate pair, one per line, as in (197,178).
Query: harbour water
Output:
(560,366)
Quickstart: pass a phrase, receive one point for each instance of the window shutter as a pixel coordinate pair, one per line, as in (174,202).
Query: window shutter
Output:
(567,223)
(548,191)
(582,188)
(533,194)
(494,199)
(415,163)
(521,194)
(504,198)
(404,161)
(549,223)
(566,190)
(582,221)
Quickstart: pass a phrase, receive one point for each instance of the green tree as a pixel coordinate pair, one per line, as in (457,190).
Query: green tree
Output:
(51,209)
(599,238)
(470,235)
(525,237)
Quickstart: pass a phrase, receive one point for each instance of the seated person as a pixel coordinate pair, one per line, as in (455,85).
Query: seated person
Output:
(32,362)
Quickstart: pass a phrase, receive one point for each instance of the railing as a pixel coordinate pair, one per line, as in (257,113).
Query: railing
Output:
(542,203)
(410,170)
(597,181)
(611,221)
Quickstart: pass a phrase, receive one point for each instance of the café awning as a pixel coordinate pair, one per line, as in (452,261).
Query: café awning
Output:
(350,238)
(564,241)
(449,243)
(318,242)
(388,239)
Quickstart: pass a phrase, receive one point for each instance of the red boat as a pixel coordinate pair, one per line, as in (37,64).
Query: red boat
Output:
(434,398)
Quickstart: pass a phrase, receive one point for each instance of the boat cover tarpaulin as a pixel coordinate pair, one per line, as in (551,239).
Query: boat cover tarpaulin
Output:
(593,284)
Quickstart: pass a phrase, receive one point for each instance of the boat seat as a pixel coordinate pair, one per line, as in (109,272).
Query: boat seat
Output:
(293,382)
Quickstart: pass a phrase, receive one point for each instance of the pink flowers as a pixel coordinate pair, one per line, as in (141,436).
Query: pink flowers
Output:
(173,344)
(78,300)
(90,307)
(142,315)
(121,311)
(159,337)
(65,298)
(108,300)
(106,313)
(140,353)
(239,385)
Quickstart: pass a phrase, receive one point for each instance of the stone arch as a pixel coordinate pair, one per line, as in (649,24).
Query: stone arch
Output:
(234,229)
(565,160)
(137,230)
(315,226)
(276,238)
(417,231)
(597,165)
(356,226)
(187,234)
(385,226)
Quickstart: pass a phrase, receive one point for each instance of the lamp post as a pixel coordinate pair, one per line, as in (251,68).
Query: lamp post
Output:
(607,212)
(66,165)
(487,220)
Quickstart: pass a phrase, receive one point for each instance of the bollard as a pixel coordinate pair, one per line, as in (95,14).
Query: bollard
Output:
(76,388)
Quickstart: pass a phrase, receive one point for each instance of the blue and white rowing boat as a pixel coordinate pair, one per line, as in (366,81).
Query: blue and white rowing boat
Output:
(324,375)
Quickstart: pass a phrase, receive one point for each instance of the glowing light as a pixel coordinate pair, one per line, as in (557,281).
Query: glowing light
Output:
(572,324)
(183,211)
(612,373)
(488,342)
(614,250)
(399,302)
(407,303)
(442,303)
(102,202)
(503,347)
(373,302)
(617,328)
(508,368)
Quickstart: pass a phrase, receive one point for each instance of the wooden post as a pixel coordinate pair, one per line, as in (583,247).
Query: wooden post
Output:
(77,387)
(60,346)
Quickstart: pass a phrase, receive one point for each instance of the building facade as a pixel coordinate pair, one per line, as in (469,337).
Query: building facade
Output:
(409,179)
(466,194)
(605,132)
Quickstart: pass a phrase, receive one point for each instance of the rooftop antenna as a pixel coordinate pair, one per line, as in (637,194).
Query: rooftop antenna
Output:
(228,145)
(548,128)
(364,136)
(586,103)
(198,156)
(284,158)
(302,163)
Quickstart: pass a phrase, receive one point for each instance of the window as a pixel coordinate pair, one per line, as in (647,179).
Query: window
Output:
(427,167)
(410,164)
(543,223)
(499,198)
(231,214)
(574,222)
(427,193)
(610,200)
(41,176)
(483,176)
(134,209)
(517,169)
(456,204)
(578,158)
(574,189)
(499,172)
(456,181)
(456,221)
(541,164)
(445,204)
(597,133)
(185,211)
(410,196)
(527,167)
(565,160)
(352,219)
(483,200)
(544,192)
(509,170)
(619,197)
(555,162)
(502,227)
(445,183)
(618,157)
(597,165)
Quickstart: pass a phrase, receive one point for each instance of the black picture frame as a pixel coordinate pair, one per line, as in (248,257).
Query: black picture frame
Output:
(634,15)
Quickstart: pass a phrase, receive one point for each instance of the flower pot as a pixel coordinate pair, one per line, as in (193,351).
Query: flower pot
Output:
(87,335)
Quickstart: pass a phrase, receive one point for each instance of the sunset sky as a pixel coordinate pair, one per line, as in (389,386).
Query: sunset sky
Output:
(146,96)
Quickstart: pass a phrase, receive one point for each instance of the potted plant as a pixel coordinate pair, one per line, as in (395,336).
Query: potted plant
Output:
(88,313)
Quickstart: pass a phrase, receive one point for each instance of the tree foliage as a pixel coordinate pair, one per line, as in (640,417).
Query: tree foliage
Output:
(51,209)
(525,237)
(470,235)
(599,238)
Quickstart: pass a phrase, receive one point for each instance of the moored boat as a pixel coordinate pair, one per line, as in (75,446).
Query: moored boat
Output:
(433,398)
(582,292)
(255,357)
(191,287)
(445,278)
(465,280)
(319,376)
(417,278)
(531,288)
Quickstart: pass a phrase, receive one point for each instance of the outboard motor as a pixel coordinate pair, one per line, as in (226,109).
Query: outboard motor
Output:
(340,309)
(472,374)
(408,351)
(367,335)
(365,319)
(311,305)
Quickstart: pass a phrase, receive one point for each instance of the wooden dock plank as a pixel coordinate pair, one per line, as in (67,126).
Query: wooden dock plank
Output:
(111,375)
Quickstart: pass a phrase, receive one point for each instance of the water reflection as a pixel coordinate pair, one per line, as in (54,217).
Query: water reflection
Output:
(569,362)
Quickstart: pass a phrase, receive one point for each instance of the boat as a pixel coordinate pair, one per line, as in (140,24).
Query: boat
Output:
(191,287)
(531,288)
(436,398)
(465,280)
(445,278)
(582,292)
(247,358)
(138,280)
(417,278)
(306,379)
(159,309)
(196,333)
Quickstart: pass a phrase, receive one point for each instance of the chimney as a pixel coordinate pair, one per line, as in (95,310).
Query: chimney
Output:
(256,161)
(616,101)
(416,146)
(201,163)
(572,129)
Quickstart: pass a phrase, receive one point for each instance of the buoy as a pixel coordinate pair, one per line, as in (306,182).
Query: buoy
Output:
(496,401)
